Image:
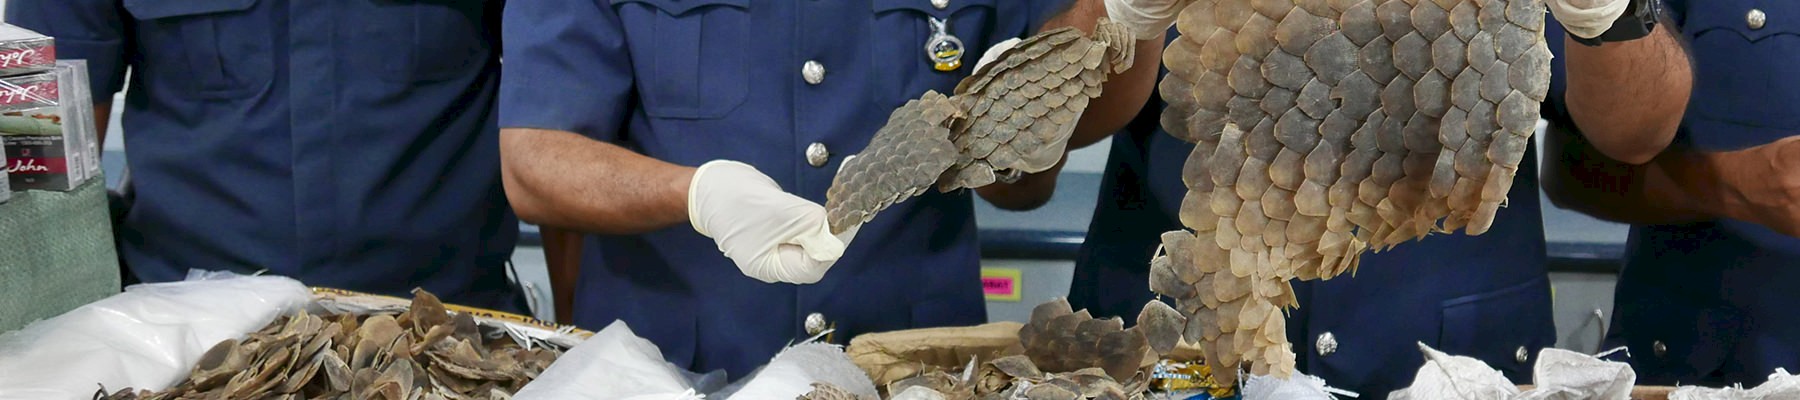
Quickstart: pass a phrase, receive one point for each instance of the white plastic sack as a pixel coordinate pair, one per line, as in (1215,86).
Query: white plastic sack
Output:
(792,373)
(1455,377)
(613,364)
(1781,385)
(145,338)
(1298,387)
(1562,374)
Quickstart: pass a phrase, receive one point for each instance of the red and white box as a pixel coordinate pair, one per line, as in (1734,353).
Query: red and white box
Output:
(47,129)
(23,51)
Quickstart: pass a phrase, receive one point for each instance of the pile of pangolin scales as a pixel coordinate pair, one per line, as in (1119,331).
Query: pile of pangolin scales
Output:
(1323,129)
(1064,355)
(423,353)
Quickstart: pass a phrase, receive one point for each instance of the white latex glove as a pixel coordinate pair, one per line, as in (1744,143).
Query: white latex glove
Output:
(1586,18)
(993,53)
(1146,18)
(771,235)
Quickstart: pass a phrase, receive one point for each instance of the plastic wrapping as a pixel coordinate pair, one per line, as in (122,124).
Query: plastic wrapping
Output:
(1781,385)
(23,51)
(47,128)
(1455,377)
(1298,387)
(147,337)
(792,372)
(613,364)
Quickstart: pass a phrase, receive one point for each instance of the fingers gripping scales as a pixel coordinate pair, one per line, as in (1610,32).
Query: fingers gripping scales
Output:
(771,235)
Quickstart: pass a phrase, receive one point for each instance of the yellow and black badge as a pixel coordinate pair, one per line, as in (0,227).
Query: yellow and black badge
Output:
(944,49)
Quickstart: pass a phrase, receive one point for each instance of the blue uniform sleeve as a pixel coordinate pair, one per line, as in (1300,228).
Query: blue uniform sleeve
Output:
(565,67)
(92,30)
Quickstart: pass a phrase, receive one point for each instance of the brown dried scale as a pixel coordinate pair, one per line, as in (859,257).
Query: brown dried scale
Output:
(1011,117)
(1325,131)
(423,353)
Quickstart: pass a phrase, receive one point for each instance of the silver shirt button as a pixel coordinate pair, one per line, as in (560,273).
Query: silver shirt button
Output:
(813,72)
(1326,344)
(1755,19)
(940,4)
(817,155)
(1660,348)
(815,323)
(1521,355)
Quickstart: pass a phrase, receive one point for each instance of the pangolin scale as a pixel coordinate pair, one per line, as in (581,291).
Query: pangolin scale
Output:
(1324,128)
(1012,116)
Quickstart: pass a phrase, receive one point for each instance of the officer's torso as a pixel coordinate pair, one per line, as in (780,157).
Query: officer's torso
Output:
(346,143)
(790,87)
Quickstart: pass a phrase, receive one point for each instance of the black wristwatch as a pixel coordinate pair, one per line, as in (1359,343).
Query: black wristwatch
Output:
(1637,22)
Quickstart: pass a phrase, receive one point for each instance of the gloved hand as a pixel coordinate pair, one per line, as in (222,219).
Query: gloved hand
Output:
(771,235)
(1145,18)
(1587,18)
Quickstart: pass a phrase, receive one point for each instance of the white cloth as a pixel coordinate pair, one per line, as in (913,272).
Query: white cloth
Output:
(771,235)
(1145,18)
(1587,18)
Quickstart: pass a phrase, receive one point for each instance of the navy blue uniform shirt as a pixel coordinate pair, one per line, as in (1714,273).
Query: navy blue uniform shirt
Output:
(348,144)
(1482,296)
(1712,302)
(692,81)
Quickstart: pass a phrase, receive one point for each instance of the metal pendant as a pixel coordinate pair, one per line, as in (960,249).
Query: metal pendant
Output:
(944,49)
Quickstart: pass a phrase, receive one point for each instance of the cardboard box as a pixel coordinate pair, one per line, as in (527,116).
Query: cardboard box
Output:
(23,51)
(47,129)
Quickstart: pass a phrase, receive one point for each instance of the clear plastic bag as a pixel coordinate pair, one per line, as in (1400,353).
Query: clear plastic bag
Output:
(145,338)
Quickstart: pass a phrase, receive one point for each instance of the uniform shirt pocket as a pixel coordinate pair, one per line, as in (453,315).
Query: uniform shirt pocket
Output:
(204,48)
(689,57)
(413,41)
(1744,53)
(901,67)
(1493,326)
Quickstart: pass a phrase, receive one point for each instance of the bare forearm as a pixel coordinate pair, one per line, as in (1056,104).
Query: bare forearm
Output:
(562,255)
(1670,189)
(1629,97)
(1123,94)
(102,116)
(563,179)
(1028,193)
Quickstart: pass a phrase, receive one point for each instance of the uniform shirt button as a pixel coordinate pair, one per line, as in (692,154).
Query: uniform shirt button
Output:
(1659,348)
(817,155)
(940,4)
(1327,344)
(1521,355)
(1755,19)
(815,323)
(813,72)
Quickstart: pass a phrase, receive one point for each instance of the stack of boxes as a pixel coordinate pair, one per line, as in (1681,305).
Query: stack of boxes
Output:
(46,116)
